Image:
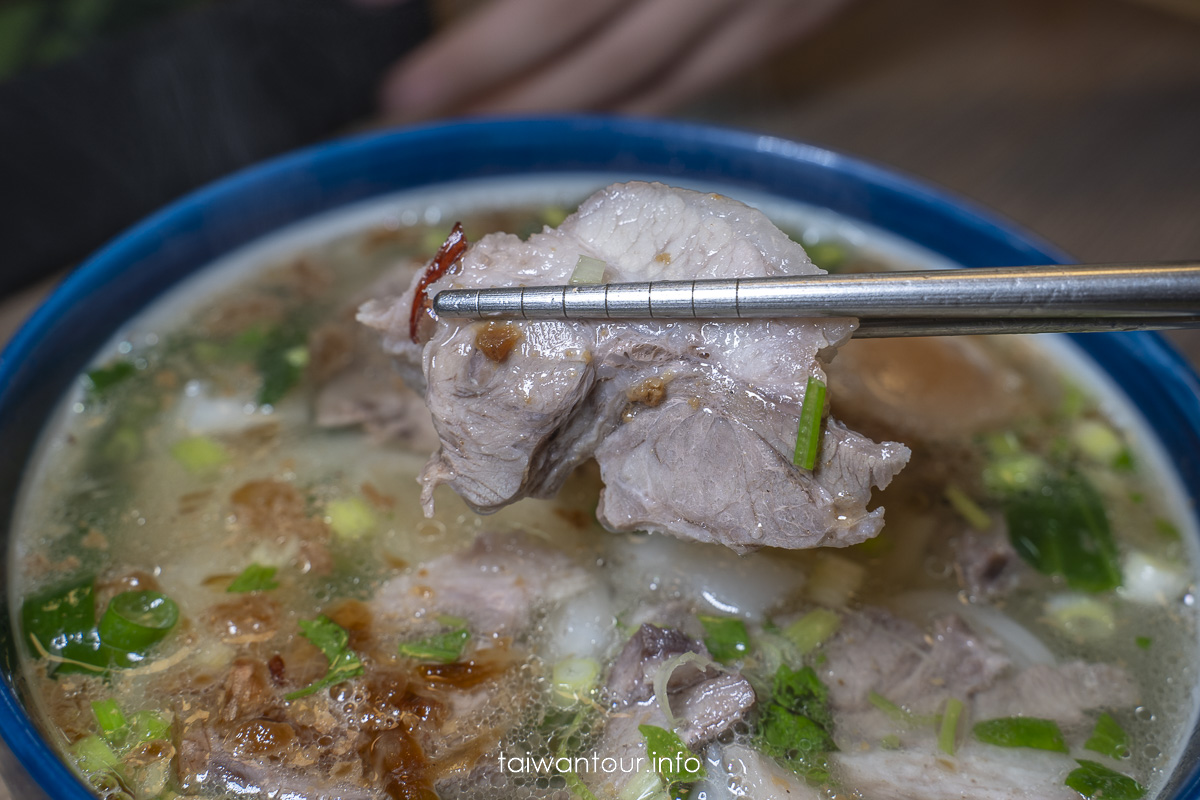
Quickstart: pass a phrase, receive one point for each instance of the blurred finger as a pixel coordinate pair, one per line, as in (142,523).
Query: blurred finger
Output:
(731,49)
(491,47)
(628,52)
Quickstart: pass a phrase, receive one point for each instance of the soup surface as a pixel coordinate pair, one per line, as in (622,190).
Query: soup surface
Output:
(227,586)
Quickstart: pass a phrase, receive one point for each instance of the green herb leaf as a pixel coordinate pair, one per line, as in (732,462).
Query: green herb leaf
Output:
(1108,738)
(1097,781)
(444,648)
(255,578)
(1040,734)
(1144,642)
(796,727)
(280,362)
(1061,528)
(808,435)
(725,637)
(102,379)
(332,640)
(669,756)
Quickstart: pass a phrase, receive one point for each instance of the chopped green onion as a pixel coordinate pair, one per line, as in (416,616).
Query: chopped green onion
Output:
(1144,642)
(573,679)
(1084,618)
(147,726)
(1040,734)
(1003,444)
(829,255)
(808,435)
(199,455)
(967,508)
(1074,401)
(554,215)
(451,621)
(898,713)
(725,637)
(948,733)
(1013,473)
(296,356)
(890,742)
(92,754)
(134,621)
(112,722)
(1097,441)
(350,517)
(588,270)
(811,630)
(255,578)
(1108,738)
(670,757)
(332,640)
(1095,781)
(444,648)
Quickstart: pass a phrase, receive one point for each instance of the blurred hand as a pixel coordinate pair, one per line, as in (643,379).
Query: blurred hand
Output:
(632,56)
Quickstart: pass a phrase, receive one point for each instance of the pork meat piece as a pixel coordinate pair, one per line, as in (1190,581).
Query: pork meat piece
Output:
(693,424)
(705,702)
(497,585)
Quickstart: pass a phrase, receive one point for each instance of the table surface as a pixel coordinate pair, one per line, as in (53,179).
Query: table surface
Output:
(1078,119)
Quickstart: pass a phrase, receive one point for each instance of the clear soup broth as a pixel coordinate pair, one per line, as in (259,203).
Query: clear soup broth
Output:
(227,587)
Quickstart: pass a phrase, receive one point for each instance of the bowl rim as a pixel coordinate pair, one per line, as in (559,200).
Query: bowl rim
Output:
(690,150)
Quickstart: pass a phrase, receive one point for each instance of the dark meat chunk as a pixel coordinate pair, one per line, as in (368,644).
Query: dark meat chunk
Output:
(693,424)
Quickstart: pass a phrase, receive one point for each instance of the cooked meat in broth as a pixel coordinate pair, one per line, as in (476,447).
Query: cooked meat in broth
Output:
(228,585)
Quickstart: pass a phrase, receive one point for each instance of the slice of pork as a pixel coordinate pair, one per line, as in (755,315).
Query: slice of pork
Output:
(705,702)
(496,585)
(693,423)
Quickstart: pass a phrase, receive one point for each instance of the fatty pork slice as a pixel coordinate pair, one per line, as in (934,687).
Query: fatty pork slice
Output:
(693,424)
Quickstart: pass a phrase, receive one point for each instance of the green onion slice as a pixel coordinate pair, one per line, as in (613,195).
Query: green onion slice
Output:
(808,436)
(948,733)
(134,621)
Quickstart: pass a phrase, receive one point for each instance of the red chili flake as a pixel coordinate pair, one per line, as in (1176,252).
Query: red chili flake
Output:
(449,253)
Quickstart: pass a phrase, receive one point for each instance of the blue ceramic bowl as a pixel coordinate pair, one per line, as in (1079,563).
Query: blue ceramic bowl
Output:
(45,356)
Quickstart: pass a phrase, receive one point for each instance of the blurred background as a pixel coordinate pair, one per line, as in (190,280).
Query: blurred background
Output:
(1078,119)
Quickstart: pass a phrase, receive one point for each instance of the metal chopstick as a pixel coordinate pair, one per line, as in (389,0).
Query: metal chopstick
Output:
(935,302)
